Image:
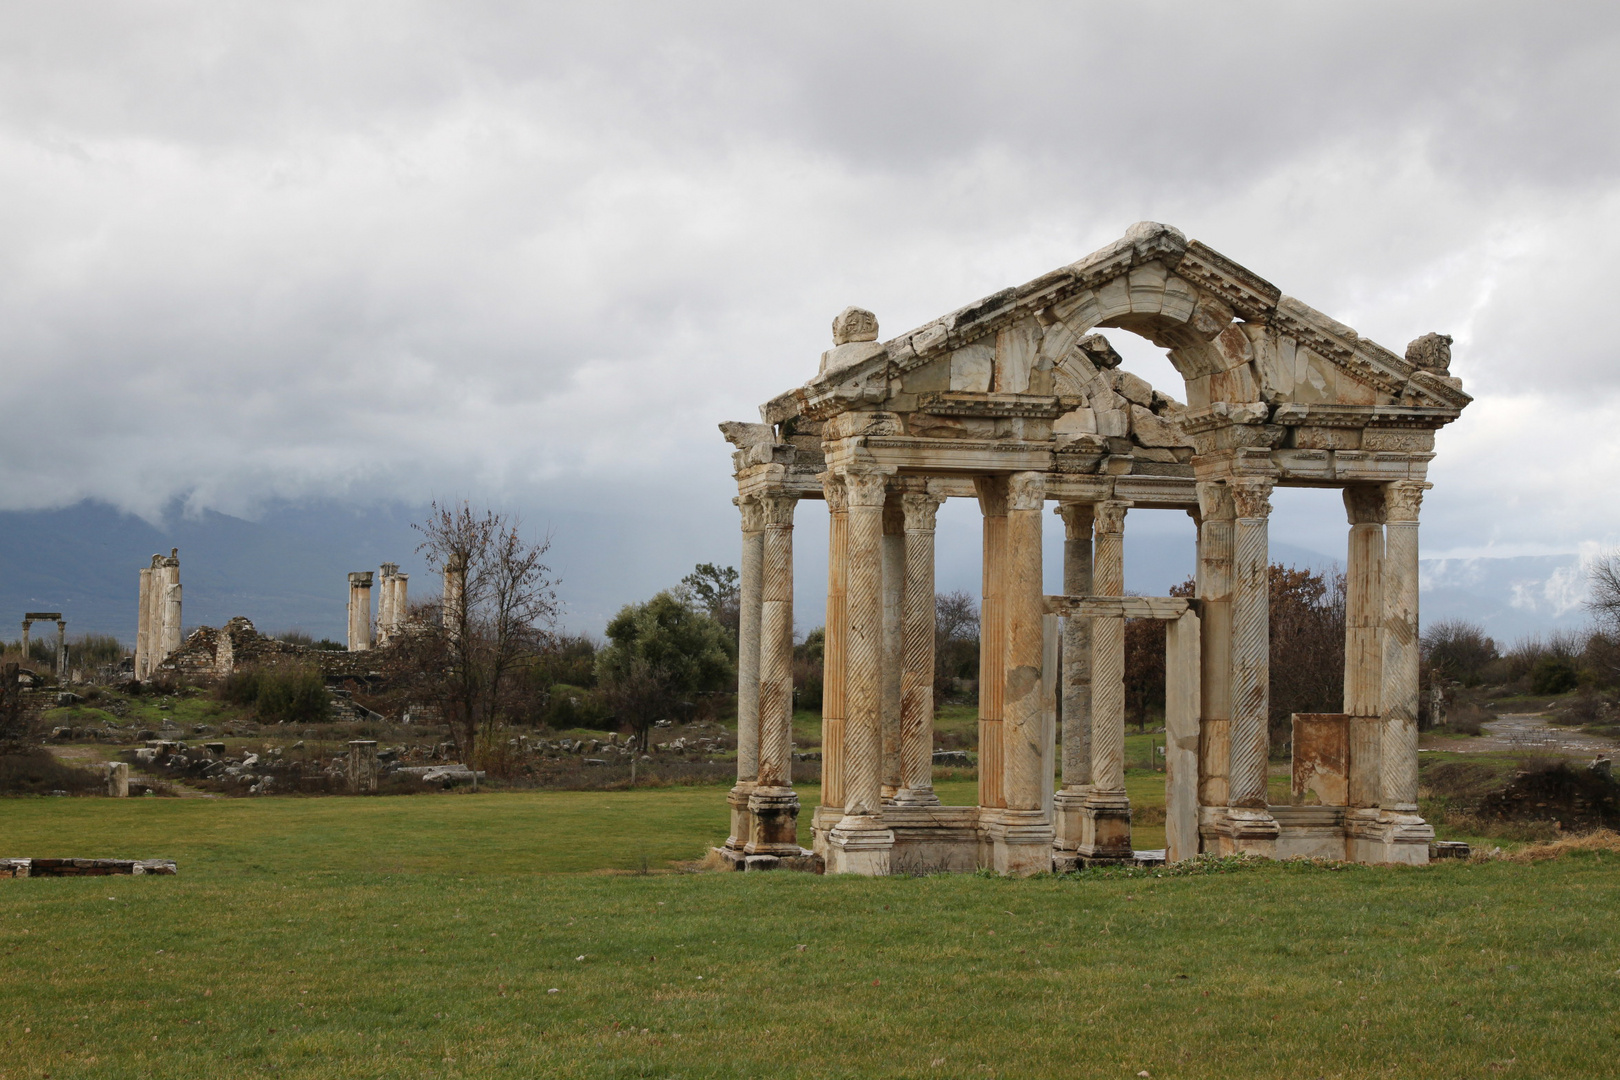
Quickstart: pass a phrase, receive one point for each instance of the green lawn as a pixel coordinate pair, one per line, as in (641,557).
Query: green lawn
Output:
(422,936)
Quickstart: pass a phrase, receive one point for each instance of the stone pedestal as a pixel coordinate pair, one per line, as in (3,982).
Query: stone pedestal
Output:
(362,766)
(774,815)
(118,779)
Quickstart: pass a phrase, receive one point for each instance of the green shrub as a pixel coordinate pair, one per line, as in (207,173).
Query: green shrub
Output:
(280,695)
(1554,675)
(574,707)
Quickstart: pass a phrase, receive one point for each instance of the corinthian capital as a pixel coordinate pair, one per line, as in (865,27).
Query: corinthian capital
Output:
(1214,501)
(776,511)
(1403,498)
(1364,504)
(920,510)
(1077,519)
(867,488)
(833,487)
(1251,496)
(1026,491)
(1111,516)
(753,515)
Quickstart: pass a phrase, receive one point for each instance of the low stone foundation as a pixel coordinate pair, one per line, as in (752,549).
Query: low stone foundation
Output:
(19,868)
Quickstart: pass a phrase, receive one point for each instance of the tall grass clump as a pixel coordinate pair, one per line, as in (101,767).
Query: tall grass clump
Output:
(284,694)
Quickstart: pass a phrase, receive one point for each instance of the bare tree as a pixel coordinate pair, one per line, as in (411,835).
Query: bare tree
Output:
(502,621)
(1603,591)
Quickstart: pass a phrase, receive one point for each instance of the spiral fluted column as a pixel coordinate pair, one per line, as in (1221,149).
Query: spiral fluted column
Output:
(749,585)
(1075,691)
(773,804)
(1106,820)
(917,634)
(860,842)
(1249,820)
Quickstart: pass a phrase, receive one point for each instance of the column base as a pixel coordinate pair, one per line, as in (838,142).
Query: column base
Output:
(822,821)
(1016,842)
(1253,831)
(923,796)
(775,811)
(1105,828)
(742,822)
(1067,808)
(1387,836)
(860,845)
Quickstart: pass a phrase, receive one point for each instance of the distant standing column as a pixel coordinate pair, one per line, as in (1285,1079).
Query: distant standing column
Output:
(360,611)
(385,601)
(401,606)
(27,629)
(773,805)
(1249,820)
(61,651)
(154,615)
(917,632)
(1106,822)
(1075,693)
(748,616)
(171,606)
(143,623)
(455,595)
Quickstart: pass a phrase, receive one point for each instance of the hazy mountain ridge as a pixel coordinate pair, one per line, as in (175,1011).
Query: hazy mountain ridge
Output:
(289,569)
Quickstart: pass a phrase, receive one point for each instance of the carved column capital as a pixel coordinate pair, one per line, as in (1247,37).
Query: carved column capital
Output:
(776,510)
(1403,498)
(836,492)
(753,514)
(1026,491)
(1364,504)
(867,489)
(1110,516)
(920,510)
(1251,496)
(1214,501)
(1077,519)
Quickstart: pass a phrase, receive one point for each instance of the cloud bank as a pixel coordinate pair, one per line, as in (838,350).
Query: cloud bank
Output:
(384,252)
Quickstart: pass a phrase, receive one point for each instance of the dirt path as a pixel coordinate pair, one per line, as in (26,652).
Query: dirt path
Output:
(1530,733)
(93,756)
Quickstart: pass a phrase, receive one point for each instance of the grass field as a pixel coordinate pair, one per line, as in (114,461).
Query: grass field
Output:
(424,936)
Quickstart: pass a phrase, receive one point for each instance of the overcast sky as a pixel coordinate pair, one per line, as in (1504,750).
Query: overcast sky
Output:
(533,254)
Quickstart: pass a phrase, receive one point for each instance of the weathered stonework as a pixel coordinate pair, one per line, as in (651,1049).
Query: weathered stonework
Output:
(1018,400)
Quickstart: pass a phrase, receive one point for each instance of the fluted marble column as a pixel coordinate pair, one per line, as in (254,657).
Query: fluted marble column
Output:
(1105,829)
(169,617)
(1248,820)
(835,644)
(748,617)
(773,804)
(143,623)
(861,843)
(1400,674)
(992,493)
(1075,692)
(360,611)
(1364,642)
(894,587)
(1215,580)
(917,632)
(1020,833)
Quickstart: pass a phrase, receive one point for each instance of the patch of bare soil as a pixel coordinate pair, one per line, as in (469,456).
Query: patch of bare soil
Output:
(1529,733)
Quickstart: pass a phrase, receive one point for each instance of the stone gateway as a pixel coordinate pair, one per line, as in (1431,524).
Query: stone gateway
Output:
(1016,401)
